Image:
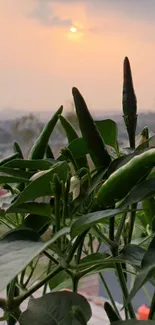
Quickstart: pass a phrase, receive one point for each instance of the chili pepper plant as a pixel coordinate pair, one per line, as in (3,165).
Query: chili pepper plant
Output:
(80,208)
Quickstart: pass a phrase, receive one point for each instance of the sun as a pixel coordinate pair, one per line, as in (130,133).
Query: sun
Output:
(73,29)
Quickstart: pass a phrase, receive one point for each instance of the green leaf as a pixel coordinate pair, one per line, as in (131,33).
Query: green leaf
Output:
(42,209)
(38,164)
(60,281)
(109,132)
(133,254)
(57,308)
(18,248)
(144,276)
(16,173)
(4,178)
(134,322)
(37,222)
(78,147)
(111,313)
(41,186)
(149,256)
(88,220)
(143,191)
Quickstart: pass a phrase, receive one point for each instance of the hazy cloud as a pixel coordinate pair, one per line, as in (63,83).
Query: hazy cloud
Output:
(44,13)
(130,9)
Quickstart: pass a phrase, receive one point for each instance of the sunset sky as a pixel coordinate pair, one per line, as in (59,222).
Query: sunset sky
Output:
(41,59)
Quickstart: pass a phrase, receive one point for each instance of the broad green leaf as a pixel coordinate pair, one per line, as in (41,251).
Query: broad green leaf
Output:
(143,191)
(18,248)
(149,256)
(4,178)
(109,132)
(42,209)
(133,254)
(37,222)
(88,220)
(39,164)
(111,313)
(16,173)
(78,147)
(41,186)
(134,322)
(57,308)
(60,281)
(144,276)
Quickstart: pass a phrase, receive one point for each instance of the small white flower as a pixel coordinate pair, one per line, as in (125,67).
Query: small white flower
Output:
(75,186)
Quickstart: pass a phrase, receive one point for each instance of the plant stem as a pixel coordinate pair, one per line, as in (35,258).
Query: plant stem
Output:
(51,257)
(48,270)
(120,227)
(76,244)
(108,241)
(111,228)
(37,286)
(31,273)
(132,222)
(152,308)
(75,280)
(124,289)
(109,294)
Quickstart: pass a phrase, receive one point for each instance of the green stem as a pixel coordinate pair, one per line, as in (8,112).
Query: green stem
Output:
(109,294)
(57,212)
(120,227)
(11,290)
(79,251)
(51,257)
(111,228)
(75,283)
(124,289)
(37,286)
(152,308)
(75,246)
(31,272)
(132,222)
(108,241)
(91,243)
(46,284)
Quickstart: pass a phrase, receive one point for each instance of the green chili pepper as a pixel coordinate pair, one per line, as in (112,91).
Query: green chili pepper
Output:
(17,149)
(96,146)
(72,135)
(144,137)
(129,103)
(117,186)
(49,153)
(8,159)
(69,129)
(39,148)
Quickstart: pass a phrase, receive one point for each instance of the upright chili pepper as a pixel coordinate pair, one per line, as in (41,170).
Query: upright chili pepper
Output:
(144,137)
(72,135)
(49,153)
(69,129)
(96,146)
(39,148)
(17,149)
(118,185)
(129,103)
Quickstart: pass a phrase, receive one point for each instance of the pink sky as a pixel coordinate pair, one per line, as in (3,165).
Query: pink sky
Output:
(40,60)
